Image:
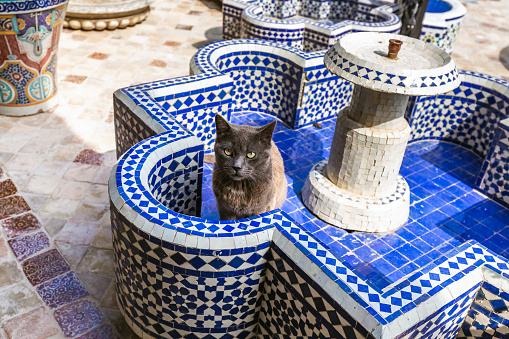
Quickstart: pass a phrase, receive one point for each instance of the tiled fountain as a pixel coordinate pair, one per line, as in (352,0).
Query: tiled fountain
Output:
(307,24)
(314,25)
(181,273)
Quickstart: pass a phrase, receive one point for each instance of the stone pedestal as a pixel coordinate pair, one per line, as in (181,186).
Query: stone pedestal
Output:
(112,14)
(359,187)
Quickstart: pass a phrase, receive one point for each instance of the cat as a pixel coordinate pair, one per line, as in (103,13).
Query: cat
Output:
(248,176)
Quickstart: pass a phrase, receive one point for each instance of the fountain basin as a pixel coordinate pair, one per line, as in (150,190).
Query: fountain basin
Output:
(99,15)
(308,25)
(430,292)
(442,22)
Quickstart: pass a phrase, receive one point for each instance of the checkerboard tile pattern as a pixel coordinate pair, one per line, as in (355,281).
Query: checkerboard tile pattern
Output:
(488,315)
(294,305)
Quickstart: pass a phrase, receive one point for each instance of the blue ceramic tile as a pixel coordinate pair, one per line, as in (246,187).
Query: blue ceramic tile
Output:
(446,208)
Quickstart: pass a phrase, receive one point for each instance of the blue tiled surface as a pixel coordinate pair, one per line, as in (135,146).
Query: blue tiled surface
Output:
(445,210)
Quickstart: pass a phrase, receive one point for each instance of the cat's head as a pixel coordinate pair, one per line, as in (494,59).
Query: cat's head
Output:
(243,152)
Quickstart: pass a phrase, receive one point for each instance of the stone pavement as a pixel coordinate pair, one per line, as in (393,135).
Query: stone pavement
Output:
(56,260)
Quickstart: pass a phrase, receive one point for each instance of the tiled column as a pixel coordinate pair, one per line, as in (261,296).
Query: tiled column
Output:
(369,143)
(358,187)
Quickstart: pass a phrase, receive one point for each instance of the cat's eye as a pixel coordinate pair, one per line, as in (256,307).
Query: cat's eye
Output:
(228,151)
(251,155)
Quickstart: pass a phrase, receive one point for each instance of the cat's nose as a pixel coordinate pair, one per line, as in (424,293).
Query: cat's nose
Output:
(236,168)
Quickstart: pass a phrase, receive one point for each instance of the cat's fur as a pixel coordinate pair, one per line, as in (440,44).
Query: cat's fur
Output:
(246,187)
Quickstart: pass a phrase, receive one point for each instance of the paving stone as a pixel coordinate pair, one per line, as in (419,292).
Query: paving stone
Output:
(78,232)
(44,266)
(97,194)
(35,201)
(96,284)
(42,184)
(105,331)
(118,321)
(7,188)
(17,299)
(12,205)
(36,324)
(68,189)
(103,238)
(62,290)
(20,225)
(98,261)
(23,162)
(81,172)
(72,253)
(4,249)
(59,208)
(9,273)
(53,225)
(91,212)
(109,299)
(27,245)
(78,317)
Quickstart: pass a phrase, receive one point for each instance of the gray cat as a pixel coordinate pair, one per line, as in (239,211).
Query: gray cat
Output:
(248,177)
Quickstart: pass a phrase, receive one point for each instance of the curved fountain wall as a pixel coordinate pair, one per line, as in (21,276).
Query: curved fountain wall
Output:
(182,276)
(310,25)
(475,116)
(441,23)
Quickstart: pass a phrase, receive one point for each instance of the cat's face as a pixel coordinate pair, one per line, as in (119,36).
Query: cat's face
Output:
(243,152)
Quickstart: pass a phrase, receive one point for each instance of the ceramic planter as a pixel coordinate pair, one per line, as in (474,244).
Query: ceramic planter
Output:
(29,35)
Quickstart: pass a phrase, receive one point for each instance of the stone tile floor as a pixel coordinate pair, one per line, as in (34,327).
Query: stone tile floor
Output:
(56,259)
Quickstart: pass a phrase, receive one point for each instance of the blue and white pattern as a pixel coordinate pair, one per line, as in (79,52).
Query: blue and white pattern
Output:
(487,318)
(173,267)
(442,22)
(310,25)
(17,6)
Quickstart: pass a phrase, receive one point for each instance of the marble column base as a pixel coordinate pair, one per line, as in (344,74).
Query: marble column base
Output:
(354,212)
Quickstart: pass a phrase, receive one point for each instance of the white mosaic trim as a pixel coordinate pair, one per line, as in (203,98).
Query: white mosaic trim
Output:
(351,211)
(360,58)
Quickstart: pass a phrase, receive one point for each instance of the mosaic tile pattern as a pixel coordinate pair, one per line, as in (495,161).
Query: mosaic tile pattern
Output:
(62,290)
(404,295)
(446,322)
(376,278)
(78,317)
(492,180)
(89,157)
(27,245)
(295,306)
(33,43)
(20,225)
(12,205)
(442,23)
(44,266)
(308,24)
(488,315)
(7,188)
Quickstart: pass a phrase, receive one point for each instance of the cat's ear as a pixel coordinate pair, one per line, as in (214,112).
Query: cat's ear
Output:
(266,132)
(222,126)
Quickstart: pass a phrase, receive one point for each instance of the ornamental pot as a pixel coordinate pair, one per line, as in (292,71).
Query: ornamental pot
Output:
(29,35)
